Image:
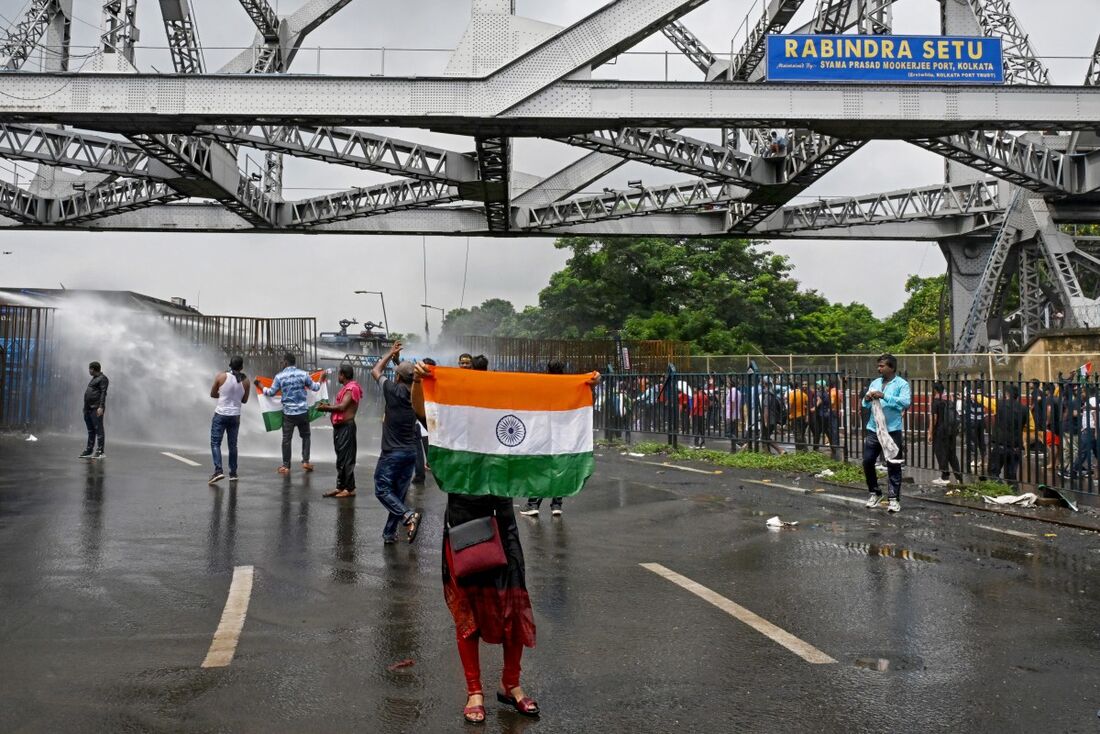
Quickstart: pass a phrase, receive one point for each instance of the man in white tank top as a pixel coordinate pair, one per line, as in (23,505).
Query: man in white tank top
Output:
(231,391)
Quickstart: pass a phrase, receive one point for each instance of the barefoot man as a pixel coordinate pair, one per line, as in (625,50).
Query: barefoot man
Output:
(343,431)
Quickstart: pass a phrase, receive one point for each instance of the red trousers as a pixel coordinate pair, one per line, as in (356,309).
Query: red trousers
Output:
(471,664)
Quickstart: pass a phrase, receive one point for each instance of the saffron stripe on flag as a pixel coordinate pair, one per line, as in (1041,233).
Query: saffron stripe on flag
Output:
(507,390)
(466,472)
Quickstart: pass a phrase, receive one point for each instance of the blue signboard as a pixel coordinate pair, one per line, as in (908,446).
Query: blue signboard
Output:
(913,59)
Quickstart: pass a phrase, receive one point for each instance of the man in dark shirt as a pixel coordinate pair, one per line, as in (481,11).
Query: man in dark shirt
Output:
(942,432)
(1007,436)
(95,402)
(394,471)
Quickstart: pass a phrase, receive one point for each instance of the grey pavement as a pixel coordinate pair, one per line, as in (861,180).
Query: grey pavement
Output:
(115,574)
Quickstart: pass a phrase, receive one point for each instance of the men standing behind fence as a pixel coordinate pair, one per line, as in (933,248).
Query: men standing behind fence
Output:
(887,397)
(343,431)
(772,415)
(1006,440)
(95,404)
(942,432)
(230,392)
(1088,446)
(293,383)
(798,404)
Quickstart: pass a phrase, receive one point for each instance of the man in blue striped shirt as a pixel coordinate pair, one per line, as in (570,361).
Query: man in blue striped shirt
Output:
(293,383)
(894,396)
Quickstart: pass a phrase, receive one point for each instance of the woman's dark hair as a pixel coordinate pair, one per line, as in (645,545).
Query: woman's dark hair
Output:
(480,362)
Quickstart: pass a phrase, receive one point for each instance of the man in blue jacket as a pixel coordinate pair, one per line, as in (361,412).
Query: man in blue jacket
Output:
(893,396)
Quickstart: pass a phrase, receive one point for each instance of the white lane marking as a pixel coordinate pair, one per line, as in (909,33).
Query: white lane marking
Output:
(180,458)
(804,650)
(224,644)
(808,493)
(1014,533)
(666,465)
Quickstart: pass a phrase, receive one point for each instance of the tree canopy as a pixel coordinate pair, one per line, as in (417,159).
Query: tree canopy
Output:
(726,296)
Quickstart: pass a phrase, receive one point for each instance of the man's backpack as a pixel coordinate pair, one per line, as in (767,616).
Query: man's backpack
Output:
(950,416)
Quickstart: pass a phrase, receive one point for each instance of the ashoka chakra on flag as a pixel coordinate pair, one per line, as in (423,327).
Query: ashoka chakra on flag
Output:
(509,434)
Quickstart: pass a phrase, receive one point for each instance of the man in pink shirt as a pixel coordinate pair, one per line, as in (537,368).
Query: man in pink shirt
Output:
(343,431)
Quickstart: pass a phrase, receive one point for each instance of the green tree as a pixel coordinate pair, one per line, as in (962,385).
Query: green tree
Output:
(915,327)
(483,320)
(723,296)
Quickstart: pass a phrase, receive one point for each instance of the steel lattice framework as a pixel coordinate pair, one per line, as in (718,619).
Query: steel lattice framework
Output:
(163,152)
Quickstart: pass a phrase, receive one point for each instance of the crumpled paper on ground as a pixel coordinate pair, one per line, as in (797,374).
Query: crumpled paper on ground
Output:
(774,523)
(1023,500)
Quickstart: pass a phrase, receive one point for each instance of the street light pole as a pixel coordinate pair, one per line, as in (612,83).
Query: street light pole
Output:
(443,315)
(385,320)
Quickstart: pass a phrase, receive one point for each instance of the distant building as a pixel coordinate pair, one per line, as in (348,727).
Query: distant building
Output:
(124,300)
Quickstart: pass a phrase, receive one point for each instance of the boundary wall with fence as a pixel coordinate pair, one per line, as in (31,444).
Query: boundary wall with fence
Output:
(1046,435)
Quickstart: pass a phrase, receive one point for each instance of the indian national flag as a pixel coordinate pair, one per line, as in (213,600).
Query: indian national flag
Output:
(1085,370)
(272,408)
(509,434)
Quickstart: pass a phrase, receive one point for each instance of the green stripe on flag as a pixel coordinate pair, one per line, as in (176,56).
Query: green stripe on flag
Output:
(273,420)
(553,475)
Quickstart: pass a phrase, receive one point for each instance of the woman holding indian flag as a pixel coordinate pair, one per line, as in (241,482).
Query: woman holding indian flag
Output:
(498,436)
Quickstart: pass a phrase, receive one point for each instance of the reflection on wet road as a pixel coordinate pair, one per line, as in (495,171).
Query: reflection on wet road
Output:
(117,573)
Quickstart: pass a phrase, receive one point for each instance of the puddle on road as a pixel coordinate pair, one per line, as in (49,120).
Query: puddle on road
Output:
(873,549)
(889,663)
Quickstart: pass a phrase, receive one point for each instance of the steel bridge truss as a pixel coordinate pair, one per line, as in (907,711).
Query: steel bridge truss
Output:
(150,154)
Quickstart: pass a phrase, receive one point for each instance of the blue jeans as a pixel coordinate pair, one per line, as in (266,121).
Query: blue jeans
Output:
(224,425)
(392,476)
(1085,450)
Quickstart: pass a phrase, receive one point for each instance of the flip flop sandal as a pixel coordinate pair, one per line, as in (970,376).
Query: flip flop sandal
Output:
(344,494)
(413,525)
(333,493)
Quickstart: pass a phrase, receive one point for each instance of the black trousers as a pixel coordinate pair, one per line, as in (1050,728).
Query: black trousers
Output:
(97,435)
(343,440)
(798,428)
(872,449)
(301,421)
(943,448)
(1003,457)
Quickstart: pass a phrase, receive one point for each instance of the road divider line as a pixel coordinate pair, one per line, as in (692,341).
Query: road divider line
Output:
(180,458)
(666,465)
(1013,533)
(802,649)
(809,493)
(224,644)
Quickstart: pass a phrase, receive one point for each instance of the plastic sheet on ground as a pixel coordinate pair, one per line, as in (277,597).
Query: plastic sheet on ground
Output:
(825,474)
(774,523)
(1020,500)
(31,438)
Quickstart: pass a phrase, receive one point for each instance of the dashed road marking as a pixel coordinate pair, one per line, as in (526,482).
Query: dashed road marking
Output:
(224,645)
(180,458)
(1014,533)
(666,465)
(802,649)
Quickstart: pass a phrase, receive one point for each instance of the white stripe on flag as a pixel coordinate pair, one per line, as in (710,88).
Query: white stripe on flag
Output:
(486,430)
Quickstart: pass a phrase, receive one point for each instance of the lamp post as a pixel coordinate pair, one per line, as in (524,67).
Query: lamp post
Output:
(443,314)
(385,320)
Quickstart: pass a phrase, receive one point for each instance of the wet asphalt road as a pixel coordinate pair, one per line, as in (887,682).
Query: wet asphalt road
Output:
(115,574)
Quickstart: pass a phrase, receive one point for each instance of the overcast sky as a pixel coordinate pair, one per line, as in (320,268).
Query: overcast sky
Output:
(249,274)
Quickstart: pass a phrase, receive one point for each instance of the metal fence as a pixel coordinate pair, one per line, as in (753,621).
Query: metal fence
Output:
(1018,431)
(261,341)
(26,364)
(579,355)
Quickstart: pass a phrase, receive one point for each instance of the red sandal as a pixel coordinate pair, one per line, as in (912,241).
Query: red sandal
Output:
(470,711)
(526,705)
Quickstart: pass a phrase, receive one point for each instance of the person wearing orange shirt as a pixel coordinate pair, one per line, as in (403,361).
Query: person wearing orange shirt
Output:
(798,405)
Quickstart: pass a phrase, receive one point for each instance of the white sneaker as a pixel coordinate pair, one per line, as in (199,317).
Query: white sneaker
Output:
(894,506)
(941,482)
(556,512)
(529,511)
(873,501)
